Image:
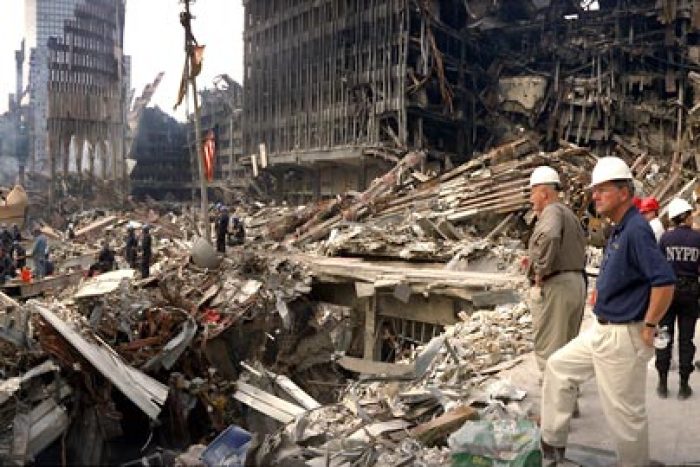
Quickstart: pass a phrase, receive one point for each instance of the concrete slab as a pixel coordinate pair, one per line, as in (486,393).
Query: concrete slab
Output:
(674,426)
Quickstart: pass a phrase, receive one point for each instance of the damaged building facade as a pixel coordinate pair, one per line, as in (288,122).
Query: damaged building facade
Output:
(336,91)
(13,128)
(78,86)
(621,79)
(221,111)
(163,167)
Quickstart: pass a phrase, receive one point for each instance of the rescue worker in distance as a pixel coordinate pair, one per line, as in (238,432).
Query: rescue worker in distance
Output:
(131,248)
(649,208)
(146,251)
(681,246)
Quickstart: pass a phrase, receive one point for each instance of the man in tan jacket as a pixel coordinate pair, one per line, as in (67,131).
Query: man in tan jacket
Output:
(557,252)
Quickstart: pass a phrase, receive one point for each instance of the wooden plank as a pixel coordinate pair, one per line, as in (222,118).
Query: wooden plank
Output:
(439,428)
(38,286)
(369,367)
(95,226)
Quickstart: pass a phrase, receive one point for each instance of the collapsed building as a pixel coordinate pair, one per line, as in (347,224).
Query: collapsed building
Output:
(79,81)
(335,90)
(14,145)
(621,79)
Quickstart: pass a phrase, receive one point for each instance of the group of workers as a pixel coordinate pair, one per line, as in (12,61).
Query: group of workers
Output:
(647,284)
(137,251)
(132,247)
(13,255)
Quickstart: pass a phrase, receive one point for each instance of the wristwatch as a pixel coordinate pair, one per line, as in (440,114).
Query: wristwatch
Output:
(649,325)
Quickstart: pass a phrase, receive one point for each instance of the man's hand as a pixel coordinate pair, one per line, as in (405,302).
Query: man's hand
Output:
(538,280)
(648,335)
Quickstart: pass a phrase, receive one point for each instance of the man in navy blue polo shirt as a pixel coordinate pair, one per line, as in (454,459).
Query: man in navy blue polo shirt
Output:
(634,290)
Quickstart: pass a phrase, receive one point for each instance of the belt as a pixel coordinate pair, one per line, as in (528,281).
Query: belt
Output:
(556,273)
(605,321)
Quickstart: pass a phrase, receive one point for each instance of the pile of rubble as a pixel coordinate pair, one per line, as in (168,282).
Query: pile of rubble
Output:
(401,413)
(305,344)
(168,353)
(170,344)
(408,215)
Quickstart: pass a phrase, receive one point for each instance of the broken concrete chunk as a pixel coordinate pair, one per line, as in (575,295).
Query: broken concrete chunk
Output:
(104,283)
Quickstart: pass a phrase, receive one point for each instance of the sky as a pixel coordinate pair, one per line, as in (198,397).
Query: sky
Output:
(154,38)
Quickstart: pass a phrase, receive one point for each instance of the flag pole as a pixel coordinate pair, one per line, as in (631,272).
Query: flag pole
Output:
(190,47)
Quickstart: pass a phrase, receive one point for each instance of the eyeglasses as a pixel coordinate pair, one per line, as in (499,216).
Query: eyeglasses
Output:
(601,189)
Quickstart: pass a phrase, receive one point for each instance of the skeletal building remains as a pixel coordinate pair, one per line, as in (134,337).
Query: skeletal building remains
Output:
(336,90)
(78,83)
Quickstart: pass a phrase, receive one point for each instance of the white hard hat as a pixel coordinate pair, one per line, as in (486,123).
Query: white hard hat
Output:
(678,206)
(544,175)
(608,169)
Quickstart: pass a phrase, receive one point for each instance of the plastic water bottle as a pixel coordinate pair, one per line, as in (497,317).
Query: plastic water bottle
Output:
(662,338)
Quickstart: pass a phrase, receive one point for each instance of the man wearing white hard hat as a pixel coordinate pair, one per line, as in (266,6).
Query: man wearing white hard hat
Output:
(682,249)
(557,253)
(634,289)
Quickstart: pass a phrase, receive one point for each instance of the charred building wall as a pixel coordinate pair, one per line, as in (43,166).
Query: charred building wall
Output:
(621,79)
(336,90)
(163,168)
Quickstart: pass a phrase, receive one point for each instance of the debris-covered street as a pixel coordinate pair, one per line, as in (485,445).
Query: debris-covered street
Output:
(390,232)
(322,337)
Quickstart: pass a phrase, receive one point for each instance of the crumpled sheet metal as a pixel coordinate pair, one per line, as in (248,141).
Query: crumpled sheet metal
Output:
(171,352)
(11,385)
(147,393)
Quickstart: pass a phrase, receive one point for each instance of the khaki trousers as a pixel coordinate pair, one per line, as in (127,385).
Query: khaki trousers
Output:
(557,313)
(617,357)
